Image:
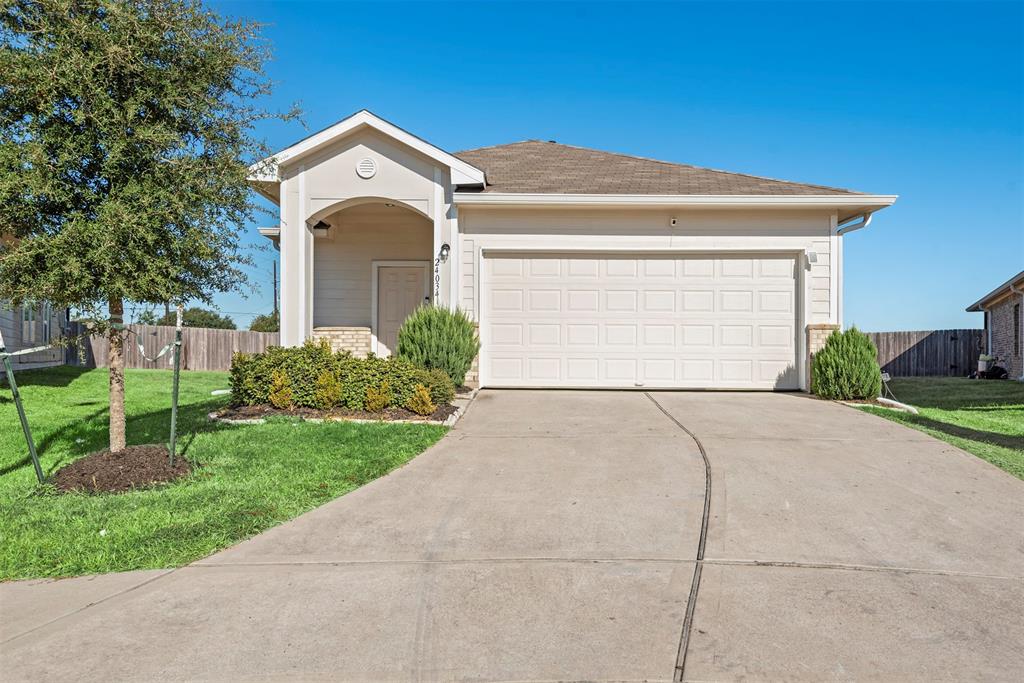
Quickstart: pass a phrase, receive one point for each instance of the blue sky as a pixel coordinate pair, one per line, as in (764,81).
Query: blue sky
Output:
(923,100)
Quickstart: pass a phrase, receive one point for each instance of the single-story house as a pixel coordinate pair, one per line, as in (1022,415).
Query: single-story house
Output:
(32,326)
(582,268)
(1004,325)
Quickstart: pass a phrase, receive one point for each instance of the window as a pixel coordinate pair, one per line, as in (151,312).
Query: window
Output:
(1016,329)
(47,316)
(28,322)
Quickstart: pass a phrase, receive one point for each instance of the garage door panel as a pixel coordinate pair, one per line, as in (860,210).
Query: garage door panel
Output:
(635,321)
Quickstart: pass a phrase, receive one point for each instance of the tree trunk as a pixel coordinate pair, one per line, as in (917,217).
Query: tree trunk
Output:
(115,360)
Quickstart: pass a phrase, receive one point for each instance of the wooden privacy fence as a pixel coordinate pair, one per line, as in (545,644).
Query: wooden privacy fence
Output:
(201,348)
(948,353)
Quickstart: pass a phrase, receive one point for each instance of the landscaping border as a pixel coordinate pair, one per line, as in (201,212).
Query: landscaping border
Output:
(461,403)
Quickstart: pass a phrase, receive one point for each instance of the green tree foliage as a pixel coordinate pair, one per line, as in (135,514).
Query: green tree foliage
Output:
(147,317)
(846,368)
(435,337)
(199,317)
(268,322)
(125,141)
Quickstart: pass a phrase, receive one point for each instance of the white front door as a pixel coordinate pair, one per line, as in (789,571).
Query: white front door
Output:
(640,321)
(400,290)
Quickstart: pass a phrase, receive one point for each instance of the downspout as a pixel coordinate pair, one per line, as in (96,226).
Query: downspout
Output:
(856,223)
(1014,290)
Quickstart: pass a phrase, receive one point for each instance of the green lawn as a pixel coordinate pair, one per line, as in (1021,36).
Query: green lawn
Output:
(983,417)
(250,478)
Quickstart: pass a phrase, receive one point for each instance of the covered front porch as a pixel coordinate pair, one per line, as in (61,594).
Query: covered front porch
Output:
(373,265)
(367,226)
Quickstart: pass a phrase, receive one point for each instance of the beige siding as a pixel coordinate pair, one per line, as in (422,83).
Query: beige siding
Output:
(342,260)
(650,230)
(15,339)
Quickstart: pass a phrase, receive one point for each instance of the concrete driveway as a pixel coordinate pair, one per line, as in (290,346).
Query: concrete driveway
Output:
(555,535)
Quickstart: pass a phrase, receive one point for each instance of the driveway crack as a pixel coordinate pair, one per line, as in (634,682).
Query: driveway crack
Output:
(691,602)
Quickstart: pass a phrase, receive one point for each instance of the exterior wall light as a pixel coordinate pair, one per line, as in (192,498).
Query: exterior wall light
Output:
(445,251)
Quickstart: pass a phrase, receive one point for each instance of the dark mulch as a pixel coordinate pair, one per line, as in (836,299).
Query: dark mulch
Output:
(135,467)
(388,414)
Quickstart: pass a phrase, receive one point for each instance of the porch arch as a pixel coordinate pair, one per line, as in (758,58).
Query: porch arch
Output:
(343,204)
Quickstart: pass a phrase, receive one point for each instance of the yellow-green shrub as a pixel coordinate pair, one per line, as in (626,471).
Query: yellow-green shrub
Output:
(280,395)
(328,391)
(420,402)
(379,398)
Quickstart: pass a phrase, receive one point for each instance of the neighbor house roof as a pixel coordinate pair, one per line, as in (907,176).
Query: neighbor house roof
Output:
(539,167)
(1015,282)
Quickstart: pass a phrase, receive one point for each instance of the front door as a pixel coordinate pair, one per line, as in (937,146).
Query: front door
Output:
(400,290)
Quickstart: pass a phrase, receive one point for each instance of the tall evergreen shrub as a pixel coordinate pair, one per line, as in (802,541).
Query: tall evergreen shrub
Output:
(435,337)
(847,367)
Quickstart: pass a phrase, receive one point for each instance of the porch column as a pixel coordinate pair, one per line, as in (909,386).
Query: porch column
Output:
(438,270)
(296,265)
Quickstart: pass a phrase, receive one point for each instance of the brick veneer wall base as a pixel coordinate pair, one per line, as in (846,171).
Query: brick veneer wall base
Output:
(816,336)
(353,339)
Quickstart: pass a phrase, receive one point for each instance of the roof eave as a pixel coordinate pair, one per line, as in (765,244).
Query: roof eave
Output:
(856,203)
(1002,290)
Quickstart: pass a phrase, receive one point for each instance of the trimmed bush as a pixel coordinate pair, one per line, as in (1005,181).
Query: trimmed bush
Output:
(420,403)
(328,391)
(280,394)
(438,383)
(846,368)
(438,338)
(317,378)
(379,398)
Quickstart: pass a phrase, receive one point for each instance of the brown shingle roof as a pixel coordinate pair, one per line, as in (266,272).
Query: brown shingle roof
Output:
(550,168)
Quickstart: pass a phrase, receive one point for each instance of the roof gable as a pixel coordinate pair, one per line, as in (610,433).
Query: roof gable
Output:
(535,166)
(463,172)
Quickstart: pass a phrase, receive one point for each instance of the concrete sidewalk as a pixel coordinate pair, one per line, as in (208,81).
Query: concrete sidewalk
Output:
(553,535)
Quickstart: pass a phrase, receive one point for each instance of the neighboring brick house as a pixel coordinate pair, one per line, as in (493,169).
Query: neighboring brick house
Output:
(1004,323)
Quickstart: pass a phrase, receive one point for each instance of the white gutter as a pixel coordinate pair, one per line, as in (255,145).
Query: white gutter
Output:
(649,200)
(865,221)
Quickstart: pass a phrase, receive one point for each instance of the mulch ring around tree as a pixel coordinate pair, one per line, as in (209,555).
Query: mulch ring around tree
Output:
(135,467)
(386,415)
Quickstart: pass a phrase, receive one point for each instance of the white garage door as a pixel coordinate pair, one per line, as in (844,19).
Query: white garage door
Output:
(639,321)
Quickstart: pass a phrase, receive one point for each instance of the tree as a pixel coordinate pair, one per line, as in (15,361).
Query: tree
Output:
(125,137)
(147,317)
(268,322)
(199,317)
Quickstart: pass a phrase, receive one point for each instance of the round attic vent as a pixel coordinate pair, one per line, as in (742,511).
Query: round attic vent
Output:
(366,168)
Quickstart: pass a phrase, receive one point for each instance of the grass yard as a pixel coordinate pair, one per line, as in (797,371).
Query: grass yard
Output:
(983,417)
(250,478)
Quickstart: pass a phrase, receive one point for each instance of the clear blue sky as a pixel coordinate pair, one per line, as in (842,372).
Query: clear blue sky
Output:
(923,100)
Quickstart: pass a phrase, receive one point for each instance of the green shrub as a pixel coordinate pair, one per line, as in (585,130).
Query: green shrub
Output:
(438,383)
(318,378)
(328,391)
(846,367)
(280,390)
(379,398)
(420,403)
(251,374)
(437,338)
(360,374)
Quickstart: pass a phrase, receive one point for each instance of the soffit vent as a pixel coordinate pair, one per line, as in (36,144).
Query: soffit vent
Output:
(366,168)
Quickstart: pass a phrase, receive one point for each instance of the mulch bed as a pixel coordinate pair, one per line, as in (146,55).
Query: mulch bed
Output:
(135,467)
(386,415)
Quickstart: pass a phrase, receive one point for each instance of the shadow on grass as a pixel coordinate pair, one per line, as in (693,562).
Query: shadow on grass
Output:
(992,438)
(90,433)
(959,394)
(54,376)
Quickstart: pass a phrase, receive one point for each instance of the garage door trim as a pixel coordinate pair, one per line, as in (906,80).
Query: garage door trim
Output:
(799,302)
